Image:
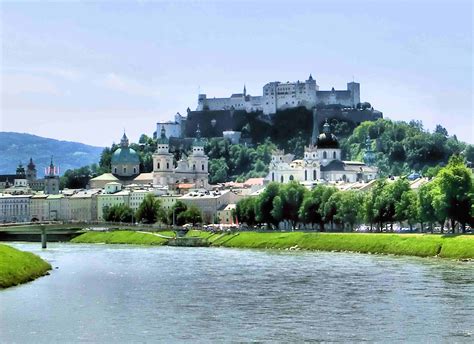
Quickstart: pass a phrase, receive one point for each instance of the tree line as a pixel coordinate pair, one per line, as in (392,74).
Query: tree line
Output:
(447,199)
(151,211)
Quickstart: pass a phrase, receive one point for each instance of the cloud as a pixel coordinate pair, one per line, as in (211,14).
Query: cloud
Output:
(64,73)
(15,84)
(126,85)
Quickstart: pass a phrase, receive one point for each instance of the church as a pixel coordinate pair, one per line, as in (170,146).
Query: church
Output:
(321,162)
(189,169)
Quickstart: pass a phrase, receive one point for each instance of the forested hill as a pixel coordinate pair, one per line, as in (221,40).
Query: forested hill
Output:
(16,147)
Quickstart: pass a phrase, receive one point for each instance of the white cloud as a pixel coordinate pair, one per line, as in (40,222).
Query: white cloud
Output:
(126,85)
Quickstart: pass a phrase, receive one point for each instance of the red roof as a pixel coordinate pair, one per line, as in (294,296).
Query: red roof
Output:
(185,186)
(254,181)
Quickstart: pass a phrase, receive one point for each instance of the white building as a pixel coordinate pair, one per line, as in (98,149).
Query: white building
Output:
(279,96)
(172,128)
(321,161)
(15,208)
(192,169)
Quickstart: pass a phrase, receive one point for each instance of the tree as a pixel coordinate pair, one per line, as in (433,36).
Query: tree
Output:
(331,208)
(292,195)
(118,213)
(349,209)
(455,183)
(192,215)
(245,211)
(176,211)
(277,210)
(407,209)
(427,213)
(149,209)
(264,204)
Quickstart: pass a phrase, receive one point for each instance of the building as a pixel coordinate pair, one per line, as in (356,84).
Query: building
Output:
(189,169)
(39,209)
(209,202)
(172,128)
(51,179)
(321,161)
(83,206)
(125,161)
(15,208)
(109,200)
(226,214)
(279,96)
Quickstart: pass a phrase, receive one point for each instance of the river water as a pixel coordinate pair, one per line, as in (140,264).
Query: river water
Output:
(115,294)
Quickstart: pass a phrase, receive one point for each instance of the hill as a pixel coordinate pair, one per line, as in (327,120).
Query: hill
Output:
(19,147)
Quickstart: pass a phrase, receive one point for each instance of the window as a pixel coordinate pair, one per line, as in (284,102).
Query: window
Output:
(325,155)
(281,179)
(167,165)
(305,174)
(124,170)
(194,167)
(314,174)
(203,167)
(158,166)
(334,155)
(273,176)
(134,170)
(115,170)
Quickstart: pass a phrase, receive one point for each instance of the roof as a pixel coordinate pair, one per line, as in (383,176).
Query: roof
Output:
(125,155)
(327,140)
(144,177)
(185,186)
(106,176)
(9,177)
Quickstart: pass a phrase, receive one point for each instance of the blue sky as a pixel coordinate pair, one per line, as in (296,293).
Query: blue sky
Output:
(85,71)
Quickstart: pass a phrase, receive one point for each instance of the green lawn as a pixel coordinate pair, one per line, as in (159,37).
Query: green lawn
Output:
(122,237)
(19,267)
(421,245)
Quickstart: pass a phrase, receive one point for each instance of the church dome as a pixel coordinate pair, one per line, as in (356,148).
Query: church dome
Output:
(125,156)
(327,139)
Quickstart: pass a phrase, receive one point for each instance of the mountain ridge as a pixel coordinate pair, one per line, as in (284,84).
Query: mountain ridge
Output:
(19,147)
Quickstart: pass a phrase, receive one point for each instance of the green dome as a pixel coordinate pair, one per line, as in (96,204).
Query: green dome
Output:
(125,156)
(163,139)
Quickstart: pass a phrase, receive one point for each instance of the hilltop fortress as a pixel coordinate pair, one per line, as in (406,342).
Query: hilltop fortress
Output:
(280,96)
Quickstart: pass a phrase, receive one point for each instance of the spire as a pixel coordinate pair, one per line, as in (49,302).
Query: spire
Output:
(245,91)
(163,132)
(124,140)
(326,127)
(31,164)
(163,140)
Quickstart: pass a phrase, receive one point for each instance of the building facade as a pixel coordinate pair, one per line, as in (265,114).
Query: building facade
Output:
(279,96)
(189,169)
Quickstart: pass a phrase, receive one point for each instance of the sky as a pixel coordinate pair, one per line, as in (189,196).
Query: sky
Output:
(87,71)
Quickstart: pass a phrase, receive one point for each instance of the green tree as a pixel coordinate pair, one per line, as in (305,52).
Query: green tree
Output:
(292,196)
(118,213)
(455,183)
(245,211)
(191,215)
(277,211)
(407,209)
(149,209)
(264,204)
(350,208)
(426,208)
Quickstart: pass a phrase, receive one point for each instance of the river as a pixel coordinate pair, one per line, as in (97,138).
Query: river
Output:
(115,294)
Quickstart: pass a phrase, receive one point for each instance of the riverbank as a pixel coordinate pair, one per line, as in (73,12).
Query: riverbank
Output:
(123,237)
(18,267)
(420,245)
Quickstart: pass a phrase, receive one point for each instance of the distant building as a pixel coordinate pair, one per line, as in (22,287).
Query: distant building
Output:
(51,180)
(125,161)
(279,96)
(172,128)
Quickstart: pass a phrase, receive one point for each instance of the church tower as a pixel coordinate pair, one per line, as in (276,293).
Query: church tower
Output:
(162,161)
(51,179)
(199,162)
(31,171)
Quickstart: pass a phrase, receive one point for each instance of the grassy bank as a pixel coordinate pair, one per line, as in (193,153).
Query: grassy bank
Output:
(122,237)
(19,267)
(455,247)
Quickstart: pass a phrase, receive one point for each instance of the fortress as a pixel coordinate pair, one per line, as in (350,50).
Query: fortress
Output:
(280,96)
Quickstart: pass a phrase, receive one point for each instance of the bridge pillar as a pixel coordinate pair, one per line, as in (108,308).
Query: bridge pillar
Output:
(43,237)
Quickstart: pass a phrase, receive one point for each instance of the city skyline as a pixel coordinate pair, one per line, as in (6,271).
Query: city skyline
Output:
(69,76)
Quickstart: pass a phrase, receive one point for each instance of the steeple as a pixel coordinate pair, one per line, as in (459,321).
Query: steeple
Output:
(51,169)
(124,141)
(31,165)
(163,140)
(245,91)
(326,127)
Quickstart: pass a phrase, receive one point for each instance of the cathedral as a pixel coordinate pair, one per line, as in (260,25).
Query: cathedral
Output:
(189,169)
(321,162)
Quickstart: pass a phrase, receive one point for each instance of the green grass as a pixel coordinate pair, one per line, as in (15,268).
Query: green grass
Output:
(19,267)
(122,237)
(456,247)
